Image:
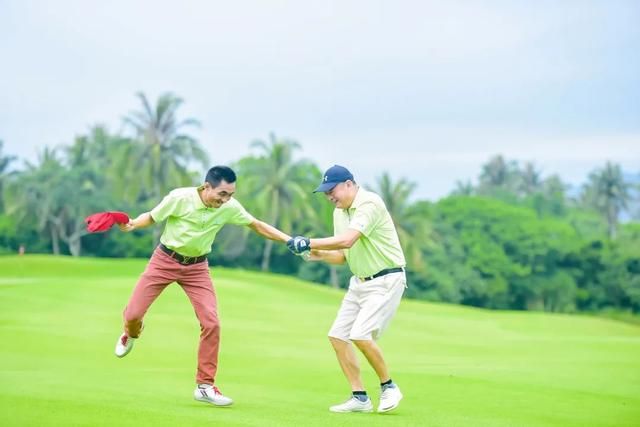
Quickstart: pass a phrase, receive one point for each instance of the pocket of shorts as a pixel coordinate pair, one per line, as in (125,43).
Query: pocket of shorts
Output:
(391,280)
(386,284)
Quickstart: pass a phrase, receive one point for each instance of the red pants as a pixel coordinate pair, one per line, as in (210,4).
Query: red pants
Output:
(161,271)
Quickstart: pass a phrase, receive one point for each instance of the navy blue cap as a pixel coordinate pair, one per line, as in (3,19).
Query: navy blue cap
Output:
(332,177)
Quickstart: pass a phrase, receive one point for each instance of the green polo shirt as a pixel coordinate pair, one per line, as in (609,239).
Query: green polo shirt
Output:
(191,226)
(378,247)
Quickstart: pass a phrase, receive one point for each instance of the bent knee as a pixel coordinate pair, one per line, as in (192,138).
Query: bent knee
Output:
(210,324)
(338,342)
(362,342)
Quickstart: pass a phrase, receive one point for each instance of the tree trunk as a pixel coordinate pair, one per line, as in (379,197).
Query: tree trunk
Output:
(612,218)
(266,254)
(333,270)
(268,245)
(73,240)
(75,245)
(55,242)
(535,303)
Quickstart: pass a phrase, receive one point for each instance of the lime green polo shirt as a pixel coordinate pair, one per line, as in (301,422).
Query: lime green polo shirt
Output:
(191,226)
(379,246)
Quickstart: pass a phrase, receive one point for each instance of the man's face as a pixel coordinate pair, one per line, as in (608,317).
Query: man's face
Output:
(217,196)
(340,195)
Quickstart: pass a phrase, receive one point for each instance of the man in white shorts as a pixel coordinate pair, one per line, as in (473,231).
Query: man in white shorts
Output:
(365,238)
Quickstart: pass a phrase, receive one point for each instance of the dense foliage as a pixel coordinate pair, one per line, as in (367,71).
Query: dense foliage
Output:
(514,240)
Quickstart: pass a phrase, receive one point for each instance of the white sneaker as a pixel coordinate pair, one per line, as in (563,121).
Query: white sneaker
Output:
(390,399)
(211,394)
(124,345)
(353,405)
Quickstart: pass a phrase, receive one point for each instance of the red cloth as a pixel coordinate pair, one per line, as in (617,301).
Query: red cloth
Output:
(102,221)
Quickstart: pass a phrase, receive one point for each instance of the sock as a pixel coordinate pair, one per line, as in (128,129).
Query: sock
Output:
(204,386)
(361,396)
(387,384)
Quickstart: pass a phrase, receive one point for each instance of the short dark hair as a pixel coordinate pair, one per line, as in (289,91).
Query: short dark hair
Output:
(218,174)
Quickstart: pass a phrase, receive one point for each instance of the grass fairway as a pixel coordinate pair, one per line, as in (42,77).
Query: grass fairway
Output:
(60,317)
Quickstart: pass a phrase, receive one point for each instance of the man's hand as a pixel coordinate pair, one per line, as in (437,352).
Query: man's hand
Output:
(127,227)
(142,221)
(299,245)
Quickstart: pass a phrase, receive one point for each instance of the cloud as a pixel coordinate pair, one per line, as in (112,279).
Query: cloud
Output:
(427,89)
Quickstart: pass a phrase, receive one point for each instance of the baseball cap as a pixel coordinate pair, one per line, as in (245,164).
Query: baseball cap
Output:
(102,221)
(332,177)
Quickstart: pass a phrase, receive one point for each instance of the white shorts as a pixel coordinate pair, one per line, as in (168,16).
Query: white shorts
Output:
(368,307)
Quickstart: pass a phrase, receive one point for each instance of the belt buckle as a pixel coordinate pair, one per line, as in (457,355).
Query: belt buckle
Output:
(186,260)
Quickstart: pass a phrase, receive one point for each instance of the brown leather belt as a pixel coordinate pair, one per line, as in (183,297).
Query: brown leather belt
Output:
(182,259)
(383,273)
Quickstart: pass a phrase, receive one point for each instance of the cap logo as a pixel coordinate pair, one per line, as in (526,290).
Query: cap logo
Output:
(325,178)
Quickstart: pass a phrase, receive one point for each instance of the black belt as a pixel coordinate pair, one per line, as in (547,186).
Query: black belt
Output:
(384,273)
(182,259)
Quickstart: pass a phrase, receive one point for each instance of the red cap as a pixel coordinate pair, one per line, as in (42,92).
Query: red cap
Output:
(102,221)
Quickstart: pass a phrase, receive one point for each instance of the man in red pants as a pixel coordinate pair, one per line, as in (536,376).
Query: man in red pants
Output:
(193,215)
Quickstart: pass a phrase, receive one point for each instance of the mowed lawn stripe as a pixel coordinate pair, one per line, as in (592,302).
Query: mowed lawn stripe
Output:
(457,366)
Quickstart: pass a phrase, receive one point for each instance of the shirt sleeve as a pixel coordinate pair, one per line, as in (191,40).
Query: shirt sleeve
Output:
(336,219)
(240,215)
(365,218)
(166,208)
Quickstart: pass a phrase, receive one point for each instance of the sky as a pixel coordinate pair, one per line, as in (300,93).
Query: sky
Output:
(424,90)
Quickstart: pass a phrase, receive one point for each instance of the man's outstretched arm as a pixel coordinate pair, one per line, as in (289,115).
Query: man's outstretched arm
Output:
(327,249)
(142,221)
(268,231)
(346,240)
(342,241)
(331,256)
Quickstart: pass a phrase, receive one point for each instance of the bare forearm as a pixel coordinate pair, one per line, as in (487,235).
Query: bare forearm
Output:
(328,249)
(331,256)
(330,243)
(268,231)
(142,221)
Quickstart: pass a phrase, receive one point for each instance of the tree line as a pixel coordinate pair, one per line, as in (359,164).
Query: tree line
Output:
(512,240)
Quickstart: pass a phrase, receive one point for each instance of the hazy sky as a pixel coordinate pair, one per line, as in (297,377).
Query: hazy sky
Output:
(426,90)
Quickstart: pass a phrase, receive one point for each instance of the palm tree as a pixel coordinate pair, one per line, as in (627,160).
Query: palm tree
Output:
(276,184)
(609,193)
(551,198)
(414,230)
(5,161)
(33,197)
(530,179)
(96,148)
(86,187)
(497,175)
(160,154)
(158,158)
(58,192)
(635,211)
(463,188)
(553,185)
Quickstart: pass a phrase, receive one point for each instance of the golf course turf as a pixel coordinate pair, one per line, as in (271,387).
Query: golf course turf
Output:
(457,366)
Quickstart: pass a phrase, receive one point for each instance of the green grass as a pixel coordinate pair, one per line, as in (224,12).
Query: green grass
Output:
(457,366)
